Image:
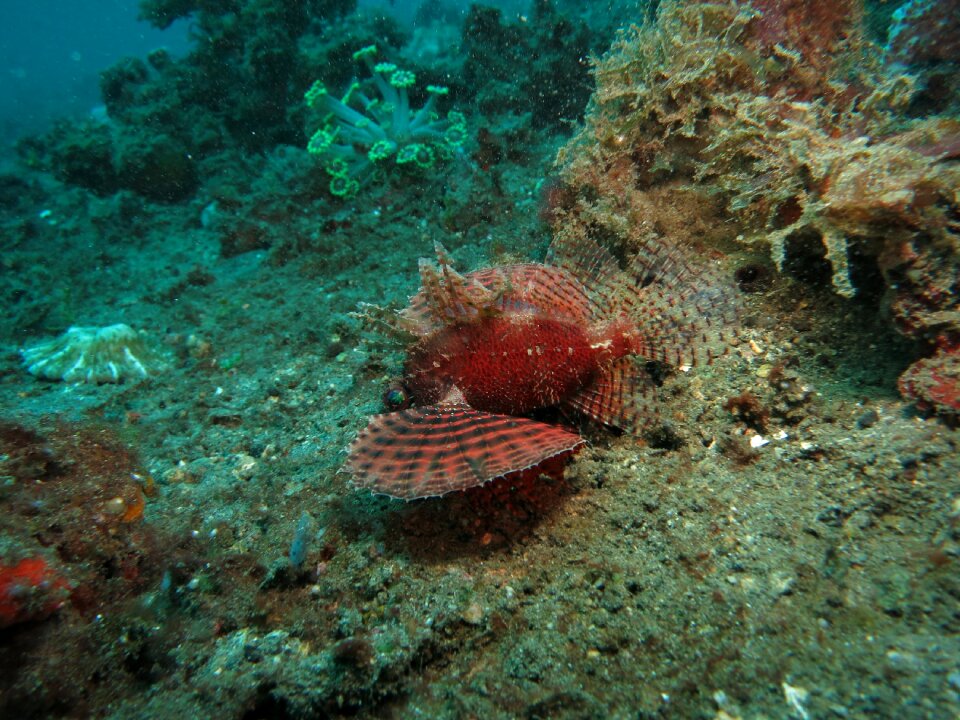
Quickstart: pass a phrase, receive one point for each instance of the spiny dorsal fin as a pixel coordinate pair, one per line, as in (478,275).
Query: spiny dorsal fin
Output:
(540,290)
(446,296)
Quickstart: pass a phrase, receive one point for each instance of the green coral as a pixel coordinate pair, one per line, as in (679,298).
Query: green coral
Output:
(361,136)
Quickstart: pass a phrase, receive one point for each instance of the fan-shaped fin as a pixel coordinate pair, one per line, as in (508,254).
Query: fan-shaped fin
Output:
(621,395)
(684,310)
(593,267)
(430,451)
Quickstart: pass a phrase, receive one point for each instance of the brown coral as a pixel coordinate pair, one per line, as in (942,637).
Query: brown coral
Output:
(792,134)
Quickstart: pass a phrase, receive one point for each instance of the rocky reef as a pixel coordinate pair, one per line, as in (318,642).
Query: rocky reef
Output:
(780,125)
(781,539)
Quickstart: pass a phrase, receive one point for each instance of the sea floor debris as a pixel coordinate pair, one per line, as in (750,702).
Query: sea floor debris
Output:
(109,354)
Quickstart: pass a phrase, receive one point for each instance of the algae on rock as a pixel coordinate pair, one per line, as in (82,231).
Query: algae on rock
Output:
(793,131)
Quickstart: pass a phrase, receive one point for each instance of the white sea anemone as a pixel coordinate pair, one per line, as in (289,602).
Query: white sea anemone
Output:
(93,355)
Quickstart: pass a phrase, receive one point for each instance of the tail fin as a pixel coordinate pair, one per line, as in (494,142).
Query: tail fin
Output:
(685,311)
(621,395)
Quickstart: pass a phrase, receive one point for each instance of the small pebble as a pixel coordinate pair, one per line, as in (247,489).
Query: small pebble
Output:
(903,661)
(868,419)
(115,506)
(472,614)
(782,582)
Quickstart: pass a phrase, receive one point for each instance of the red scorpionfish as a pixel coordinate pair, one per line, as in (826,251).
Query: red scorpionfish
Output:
(499,343)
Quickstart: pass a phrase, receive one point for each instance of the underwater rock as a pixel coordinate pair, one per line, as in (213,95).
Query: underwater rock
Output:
(119,85)
(719,103)
(163,13)
(925,31)
(81,153)
(93,355)
(934,383)
(162,170)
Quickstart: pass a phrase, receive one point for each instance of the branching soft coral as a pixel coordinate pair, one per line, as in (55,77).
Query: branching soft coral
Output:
(360,134)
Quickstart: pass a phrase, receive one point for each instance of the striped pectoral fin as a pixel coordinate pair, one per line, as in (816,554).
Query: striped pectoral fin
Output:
(685,307)
(621,394)
(430,451)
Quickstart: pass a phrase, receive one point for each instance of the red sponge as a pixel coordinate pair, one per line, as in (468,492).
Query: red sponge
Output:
(30,590)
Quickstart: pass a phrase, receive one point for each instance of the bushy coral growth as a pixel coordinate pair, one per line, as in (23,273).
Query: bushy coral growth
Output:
(845,186)
(792,137)
(784,117)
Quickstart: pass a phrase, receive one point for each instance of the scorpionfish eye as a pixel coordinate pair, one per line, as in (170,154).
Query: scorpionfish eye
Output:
(396,397)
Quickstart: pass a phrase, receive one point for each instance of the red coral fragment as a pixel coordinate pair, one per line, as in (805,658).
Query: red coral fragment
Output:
(934,382)
(30,590)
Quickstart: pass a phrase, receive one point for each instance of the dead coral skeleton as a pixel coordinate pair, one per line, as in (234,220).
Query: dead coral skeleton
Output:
(109,354)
